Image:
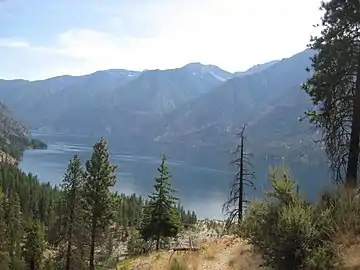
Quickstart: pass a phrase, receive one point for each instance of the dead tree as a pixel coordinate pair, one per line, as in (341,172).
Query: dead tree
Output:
(234,206)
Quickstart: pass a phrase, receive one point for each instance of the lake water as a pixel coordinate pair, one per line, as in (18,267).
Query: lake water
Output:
(201,176)
(199,188)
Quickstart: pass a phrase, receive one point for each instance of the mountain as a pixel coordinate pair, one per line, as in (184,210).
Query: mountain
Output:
(199,105)
(198,68)
(14,136)
(103,102)
(255,69)
(38,103)
(256,99)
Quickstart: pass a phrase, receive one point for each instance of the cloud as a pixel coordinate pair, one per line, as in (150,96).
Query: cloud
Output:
(12,43)
(162,34)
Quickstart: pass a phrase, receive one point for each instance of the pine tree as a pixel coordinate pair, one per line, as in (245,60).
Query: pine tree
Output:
(335,86)
(34,246)
(234,205)
(161,216)
(99,178)
(72,225)
(193,217)
(14,230)
(4,255)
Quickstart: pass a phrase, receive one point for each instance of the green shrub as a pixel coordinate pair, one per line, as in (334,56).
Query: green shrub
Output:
(136,245)
(344,205)
(178,265)
(289,232)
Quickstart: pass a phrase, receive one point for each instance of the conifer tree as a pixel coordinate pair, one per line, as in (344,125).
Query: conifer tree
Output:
(193,217)
(14,231)
(72,223)
(4,255)
(335,86)
(234,205)
(161,216)
(99,178)
(34,246)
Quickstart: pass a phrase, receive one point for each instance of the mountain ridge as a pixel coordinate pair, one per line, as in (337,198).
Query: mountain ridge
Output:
(196,104)
(14,137)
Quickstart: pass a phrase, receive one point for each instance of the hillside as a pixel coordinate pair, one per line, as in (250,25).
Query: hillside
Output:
(14,136)
(194,106)
(151,95)
(200,105)
(225,253)
(259,99)
(255,69)
(39,103)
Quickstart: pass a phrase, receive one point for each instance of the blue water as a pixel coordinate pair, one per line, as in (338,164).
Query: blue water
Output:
(200,188)
(201,176)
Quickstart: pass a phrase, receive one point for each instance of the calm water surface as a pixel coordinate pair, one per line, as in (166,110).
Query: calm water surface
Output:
(200,188)
(201,176)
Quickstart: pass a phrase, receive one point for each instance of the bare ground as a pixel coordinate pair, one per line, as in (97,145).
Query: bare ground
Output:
(225,253)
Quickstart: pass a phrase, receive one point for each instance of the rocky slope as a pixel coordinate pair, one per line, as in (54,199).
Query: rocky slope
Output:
(14,137)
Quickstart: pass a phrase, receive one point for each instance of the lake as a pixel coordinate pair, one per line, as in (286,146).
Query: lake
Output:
(199,188)
(201,176)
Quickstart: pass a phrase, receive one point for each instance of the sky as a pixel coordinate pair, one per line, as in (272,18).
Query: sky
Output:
(42,38)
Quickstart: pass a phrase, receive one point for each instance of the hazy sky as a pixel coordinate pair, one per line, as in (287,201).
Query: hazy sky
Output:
(44,38)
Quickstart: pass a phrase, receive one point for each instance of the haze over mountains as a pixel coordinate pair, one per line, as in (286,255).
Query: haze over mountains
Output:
(199,105)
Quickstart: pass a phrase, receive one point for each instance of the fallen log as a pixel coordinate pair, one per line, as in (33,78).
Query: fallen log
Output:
(175,249)
(185,249)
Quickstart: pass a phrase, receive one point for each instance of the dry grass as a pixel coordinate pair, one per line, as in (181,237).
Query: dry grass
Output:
(351,257)
(225,253)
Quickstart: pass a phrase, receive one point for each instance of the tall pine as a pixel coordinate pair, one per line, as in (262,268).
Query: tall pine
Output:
(34,246)
(14,230)
(335,86)
(4,255)
(99,178)
(161,216)
(72,214)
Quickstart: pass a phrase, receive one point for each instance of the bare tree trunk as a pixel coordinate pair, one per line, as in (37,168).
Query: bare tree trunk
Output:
(92,245)
(241,187)
(32,264)
(354,149)
(68,252)
(157,243)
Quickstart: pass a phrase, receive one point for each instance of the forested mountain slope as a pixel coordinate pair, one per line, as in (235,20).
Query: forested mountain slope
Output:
(261,100)
(14,136)
(199,105)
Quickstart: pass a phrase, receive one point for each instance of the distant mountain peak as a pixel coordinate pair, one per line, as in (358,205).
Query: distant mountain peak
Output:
(200,65)
(198,68)
(256,68)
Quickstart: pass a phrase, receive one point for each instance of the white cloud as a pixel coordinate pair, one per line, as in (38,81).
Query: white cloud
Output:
(13,43)
(233,34)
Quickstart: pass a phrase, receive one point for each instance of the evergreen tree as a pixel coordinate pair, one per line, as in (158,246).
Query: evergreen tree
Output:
(99,178)
(34,246)
(234,205)
(335,86)
(14,231)
(4,255)
(72,225)
(193,217)
(161,216)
